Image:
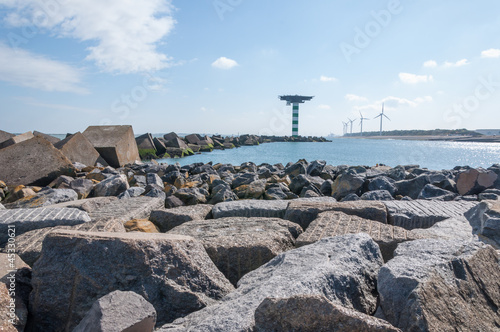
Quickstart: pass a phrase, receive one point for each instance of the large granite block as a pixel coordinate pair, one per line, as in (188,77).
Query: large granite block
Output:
(128,209)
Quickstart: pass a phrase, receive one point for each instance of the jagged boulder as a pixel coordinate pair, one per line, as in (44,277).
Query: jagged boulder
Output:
(166,219)
(112,186)
(104,262)
(474,181)
(485,221)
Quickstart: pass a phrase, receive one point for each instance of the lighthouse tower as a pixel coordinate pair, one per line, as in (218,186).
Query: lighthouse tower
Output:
(295,101)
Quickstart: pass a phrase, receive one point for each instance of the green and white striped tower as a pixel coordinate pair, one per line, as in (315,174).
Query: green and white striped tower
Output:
(295,101)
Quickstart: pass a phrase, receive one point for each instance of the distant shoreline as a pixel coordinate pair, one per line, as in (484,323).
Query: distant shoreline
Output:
(479,139)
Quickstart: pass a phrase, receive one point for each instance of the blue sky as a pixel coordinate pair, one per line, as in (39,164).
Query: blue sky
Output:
(218,66)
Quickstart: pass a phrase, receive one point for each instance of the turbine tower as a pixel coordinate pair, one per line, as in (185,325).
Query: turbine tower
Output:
(351,121)
(361,121)
(344,126)
(295,101)
(381,115)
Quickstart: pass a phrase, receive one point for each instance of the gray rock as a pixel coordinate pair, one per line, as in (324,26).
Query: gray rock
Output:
(296,169)
(303,212)
(25,220)
(343,269)
(433,192)
(435,285)
(334,223)
(128,209)
(29,244)
(239,245)
(244,178)
(485,221)
(112,186)
(119,311)
(315,168)
(192,196)
(350,198)
(377,195)
(490,194)
(33,162)
(152,190)
(347,183)
(44,198)
(17,139)
(448,229)
(2,207)
(299,182)
(88,204)
(382,183)
(166,219)
(153,178)
(254,190)
(172,272)
(82,186)
(222,193)
(173,202)
(115,144)
(423,213)
(474,181)
(132,192)
(313,313)
(397,173)
(412,187)
(250,208)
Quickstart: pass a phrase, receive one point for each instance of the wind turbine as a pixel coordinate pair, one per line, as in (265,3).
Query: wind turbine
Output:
(361,121)
(344,126)
(351,121)
(381,115)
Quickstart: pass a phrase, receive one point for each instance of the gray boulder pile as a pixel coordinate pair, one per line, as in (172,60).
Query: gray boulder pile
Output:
(122,245)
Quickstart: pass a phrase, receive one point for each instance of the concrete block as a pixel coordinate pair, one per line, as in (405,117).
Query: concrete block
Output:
(33,162)
(49,138)
(16,139)
(78,148)
(115,144)
(145,142)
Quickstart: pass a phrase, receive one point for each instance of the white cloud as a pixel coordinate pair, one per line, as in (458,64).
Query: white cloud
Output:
(459,63)
(327,79)
(430,64)
(25,69)
(224,63)
(324,107)
(392,103)
(124,33)
(408,78)
(491,53)
(352,97)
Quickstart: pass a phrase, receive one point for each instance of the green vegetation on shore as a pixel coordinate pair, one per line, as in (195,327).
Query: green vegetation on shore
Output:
(415,132)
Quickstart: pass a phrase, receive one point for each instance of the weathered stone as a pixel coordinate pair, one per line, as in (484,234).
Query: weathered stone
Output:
(88,204)
(141,225)
(116,144)
(240,245)
(145,142)
(119,311)
(315,168)
(29,244)
(2,207)
(350,198)
(49,138)
(412,187)
(62,182)
(244,178)
(97,175)
(192,196)
(377,195)
(448,229)
(433,285)
(78,148)
(173,202)
(254,190)
(250,208)
(172,272)
(16,140)
(83,187)
(303,212)
(159,146)
(153,178)
(485,221)
(9,263)
(132,192)
(7,310)
(275,193)
(112,186)
(347,183)
(5,136)
(153,190)
(334,223)
(128,209)
(25,220)
(33,162)
(193,138)
(343,269)
(489,194)
(382,183)
(222,193)
(45,198)
(166,219)
(423,213)
(473,181)
(296,169)
(18,193)
(313,313)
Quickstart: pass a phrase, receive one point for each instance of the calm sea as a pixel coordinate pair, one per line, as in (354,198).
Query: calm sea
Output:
(432,155)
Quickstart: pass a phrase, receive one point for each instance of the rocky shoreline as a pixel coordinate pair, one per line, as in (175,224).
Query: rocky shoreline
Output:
(115,244)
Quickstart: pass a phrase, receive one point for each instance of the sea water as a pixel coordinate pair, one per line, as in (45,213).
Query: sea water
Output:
(434,155)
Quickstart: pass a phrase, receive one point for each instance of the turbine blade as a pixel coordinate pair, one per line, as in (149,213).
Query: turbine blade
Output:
(387,117)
